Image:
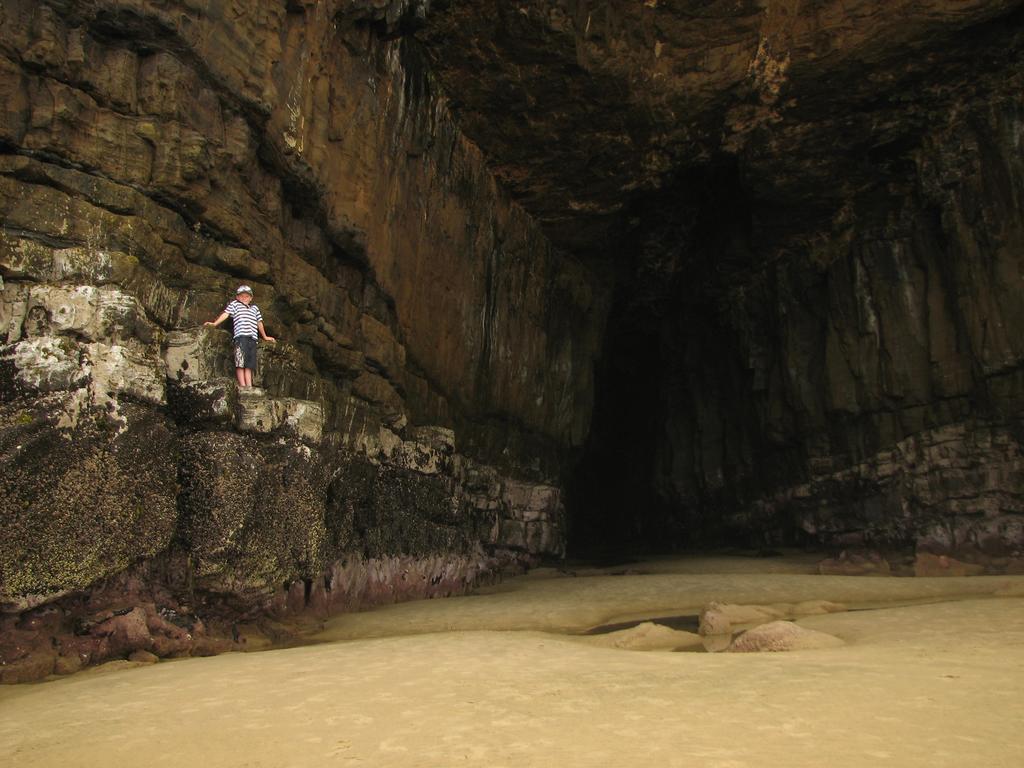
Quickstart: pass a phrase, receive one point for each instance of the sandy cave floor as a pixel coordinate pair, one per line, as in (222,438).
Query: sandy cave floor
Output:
(936,681)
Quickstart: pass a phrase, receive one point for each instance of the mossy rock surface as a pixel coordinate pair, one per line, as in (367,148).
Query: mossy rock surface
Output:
(390,511)
(253,510)
(78,505)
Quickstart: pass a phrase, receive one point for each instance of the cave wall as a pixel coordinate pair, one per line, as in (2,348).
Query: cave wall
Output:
(854,381)
(761,176)
(434,355)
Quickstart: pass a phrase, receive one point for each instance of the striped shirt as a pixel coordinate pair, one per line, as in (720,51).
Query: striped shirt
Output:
(244,318)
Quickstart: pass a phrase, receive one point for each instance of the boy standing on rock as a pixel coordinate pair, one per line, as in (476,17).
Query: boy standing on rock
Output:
(248,323)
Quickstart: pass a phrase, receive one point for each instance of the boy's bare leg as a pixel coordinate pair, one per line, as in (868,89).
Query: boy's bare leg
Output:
(248,377)
(240,375)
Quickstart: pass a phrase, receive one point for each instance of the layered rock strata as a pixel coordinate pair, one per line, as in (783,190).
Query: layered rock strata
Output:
(434,357)
(874,380)
(829,299)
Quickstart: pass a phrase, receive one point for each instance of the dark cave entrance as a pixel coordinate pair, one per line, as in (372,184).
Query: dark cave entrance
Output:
(641,483)
(702,409)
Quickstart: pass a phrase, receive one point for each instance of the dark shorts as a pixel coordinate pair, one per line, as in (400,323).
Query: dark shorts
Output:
(245,352)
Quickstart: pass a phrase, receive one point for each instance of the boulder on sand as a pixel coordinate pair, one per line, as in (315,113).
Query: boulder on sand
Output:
(720,618)
(783,636)
(143,657)
(124,633)
(649,636)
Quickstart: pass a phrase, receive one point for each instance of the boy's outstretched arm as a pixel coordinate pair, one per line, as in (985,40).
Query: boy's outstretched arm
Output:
(223,316)
(263,332)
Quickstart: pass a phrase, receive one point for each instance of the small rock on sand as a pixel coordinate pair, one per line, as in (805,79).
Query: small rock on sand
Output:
(67,664)
(714,622)
(720,618)
(783,636)
(143,657)
(649,636)
(125,632)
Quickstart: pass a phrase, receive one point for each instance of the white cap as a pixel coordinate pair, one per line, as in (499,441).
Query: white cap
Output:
(243,289)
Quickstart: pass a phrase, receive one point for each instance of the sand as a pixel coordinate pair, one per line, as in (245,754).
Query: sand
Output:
(455,682)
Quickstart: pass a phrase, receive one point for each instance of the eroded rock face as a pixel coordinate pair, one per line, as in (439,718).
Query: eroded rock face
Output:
(778,636)
(434,366)
(868,392)
(829,303)
(84,502)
